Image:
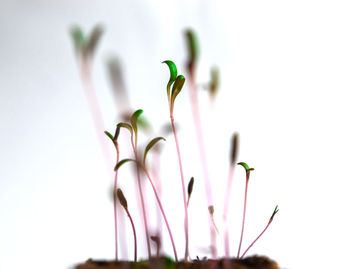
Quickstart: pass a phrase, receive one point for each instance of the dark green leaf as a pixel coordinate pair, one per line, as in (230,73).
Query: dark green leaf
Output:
(177,87)
(190,186)
(120,163)
(274,212)
(122,199)
(246,167)
(126,126)
(173,75)
(134,118)
(192,46)
(93,40)
(234,148)
(150,145)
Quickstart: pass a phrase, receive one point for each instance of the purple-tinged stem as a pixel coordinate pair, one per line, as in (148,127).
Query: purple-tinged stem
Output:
(226,208)
(134,231)
(162,210)
(158,182)
(115,204)
(200,140)
(244,211)
(142,201)
(182,182)
(94,108)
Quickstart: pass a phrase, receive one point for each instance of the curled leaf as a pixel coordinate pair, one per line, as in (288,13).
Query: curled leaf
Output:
(234,148)
(177,87)
(173,75)
(126,126)
(120,163)
(150,145)
(122,199)
(246,167)
(134,118)
(116,134)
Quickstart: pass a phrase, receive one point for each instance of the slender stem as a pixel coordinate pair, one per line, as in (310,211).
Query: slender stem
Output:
(162,210)
(200,140)
(183,184)
(134,231)
(115,204)
(244,211)
(158,182)
(95,110)
(142,201)
(256,239)
(226,208)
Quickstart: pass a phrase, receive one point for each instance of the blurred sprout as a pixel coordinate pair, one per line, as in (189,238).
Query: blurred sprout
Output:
(192,49)
(214,82)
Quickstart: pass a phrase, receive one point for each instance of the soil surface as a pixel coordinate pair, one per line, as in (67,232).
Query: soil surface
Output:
(253,262)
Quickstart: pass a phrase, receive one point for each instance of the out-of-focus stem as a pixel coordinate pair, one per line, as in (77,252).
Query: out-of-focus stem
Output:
(94,109)
(142,201)
(182,182)
(200,140)
(226,208)
(158,182)
(162,210)
(244,211)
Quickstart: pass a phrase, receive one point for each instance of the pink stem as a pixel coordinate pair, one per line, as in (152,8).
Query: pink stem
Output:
(156,172)
(134,231)
(200,140)
(142,201)
(183,184)
(256,239)
(244,211)
(226,208)
(163,212)
(94,108)
(115,204)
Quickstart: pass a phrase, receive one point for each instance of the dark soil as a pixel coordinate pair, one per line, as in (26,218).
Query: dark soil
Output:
(253,262)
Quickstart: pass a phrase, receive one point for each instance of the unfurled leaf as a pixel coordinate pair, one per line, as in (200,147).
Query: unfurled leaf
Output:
(134,118)
(177,87)
(246,167)
(192,46)
(126,126)
(120,163)
(150,145)
(122,199)
(78,39)
(214,82)
(110,136)
(173,75)
(234,148)
(93,40)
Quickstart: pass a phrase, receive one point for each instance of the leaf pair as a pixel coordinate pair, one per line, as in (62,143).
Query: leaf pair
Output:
(177,82)
(85,46)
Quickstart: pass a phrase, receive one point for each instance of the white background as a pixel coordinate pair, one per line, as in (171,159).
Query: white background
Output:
(285,78)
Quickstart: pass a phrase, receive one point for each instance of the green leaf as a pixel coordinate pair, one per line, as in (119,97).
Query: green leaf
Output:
(78,38)
(93,39)
(192,46)
(234,148)
(144,124)
(126,126)
(246,167)
(214,82)
(120,163)
(274,213)
(177,87)
(122,199)
(134,118)
(173,75)
(110,136)
(150,145)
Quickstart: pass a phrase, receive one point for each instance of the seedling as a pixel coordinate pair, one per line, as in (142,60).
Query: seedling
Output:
(124,203)
(177,83)
(247,170)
